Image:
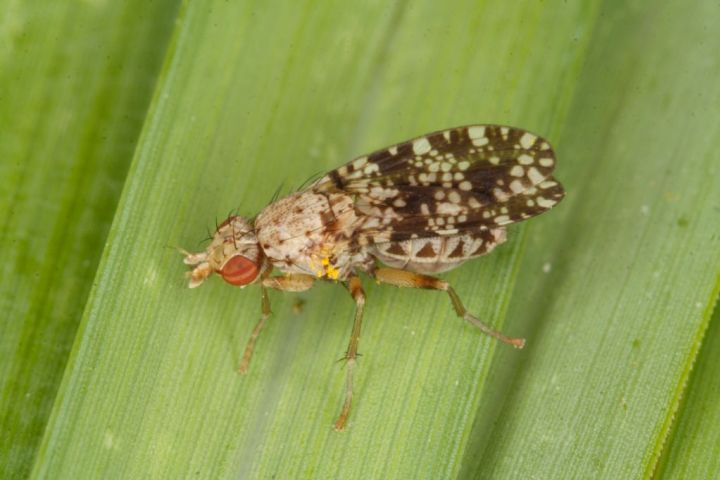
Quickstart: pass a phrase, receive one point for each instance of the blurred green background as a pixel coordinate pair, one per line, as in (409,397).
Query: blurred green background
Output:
(127,128)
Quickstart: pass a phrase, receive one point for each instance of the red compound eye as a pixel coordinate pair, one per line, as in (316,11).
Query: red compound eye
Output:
(239,271)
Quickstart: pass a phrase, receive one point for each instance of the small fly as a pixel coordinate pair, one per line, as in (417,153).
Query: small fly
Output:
(399,215)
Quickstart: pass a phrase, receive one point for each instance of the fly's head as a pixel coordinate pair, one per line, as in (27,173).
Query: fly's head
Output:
(234,254)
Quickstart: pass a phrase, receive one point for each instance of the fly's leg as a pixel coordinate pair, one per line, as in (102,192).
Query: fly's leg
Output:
(356,290)
(402,278)
(288,283)
(265,313)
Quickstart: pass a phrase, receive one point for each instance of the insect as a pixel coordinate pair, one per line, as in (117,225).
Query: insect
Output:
(399,215)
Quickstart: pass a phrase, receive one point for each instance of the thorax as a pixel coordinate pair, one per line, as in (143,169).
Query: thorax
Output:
(310,232)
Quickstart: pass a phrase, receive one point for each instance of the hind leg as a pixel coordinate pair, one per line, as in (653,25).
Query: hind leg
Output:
(403,278)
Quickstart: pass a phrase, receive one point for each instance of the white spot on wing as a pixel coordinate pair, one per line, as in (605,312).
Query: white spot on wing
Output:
(445,208)
(535,176)
(500,195)
(371,168)
(421,146)
(383,193)
(525,159)
(527,140)
(479,142)
(545,203)
(476,132)
(516,186)
(359,163)
(372,222)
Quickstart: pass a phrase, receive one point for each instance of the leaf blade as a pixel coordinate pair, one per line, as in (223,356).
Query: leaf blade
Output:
(634,264)
(172,357)
(76,82)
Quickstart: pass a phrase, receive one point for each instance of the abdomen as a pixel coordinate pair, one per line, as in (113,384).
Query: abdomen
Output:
(437,254)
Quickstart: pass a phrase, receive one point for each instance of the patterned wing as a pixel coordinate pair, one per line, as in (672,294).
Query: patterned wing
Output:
(449,182)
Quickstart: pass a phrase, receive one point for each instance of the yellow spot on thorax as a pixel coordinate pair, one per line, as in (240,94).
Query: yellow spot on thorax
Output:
(332,272)
(327,270)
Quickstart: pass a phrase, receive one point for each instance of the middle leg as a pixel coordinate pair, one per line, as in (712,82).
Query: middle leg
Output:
(356,290)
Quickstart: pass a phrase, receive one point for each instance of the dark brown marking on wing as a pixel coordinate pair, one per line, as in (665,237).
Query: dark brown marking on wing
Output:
(482,248)
(336,179)
(396,249)
(427,251)
(458,250)
(450,182)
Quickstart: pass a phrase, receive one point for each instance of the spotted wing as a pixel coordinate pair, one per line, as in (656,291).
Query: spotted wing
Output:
(449,182)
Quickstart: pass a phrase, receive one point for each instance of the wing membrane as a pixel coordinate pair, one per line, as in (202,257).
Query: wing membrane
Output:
(449,182)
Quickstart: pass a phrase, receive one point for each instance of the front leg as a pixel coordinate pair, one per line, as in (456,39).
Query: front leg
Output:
(287,283)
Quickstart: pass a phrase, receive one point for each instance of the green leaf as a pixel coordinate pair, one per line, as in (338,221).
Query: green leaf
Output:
(614,287)
(75,83)
(151,385)
(693,450)
(617,286)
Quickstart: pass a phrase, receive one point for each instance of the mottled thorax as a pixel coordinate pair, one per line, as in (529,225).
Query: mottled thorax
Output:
(309,232)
